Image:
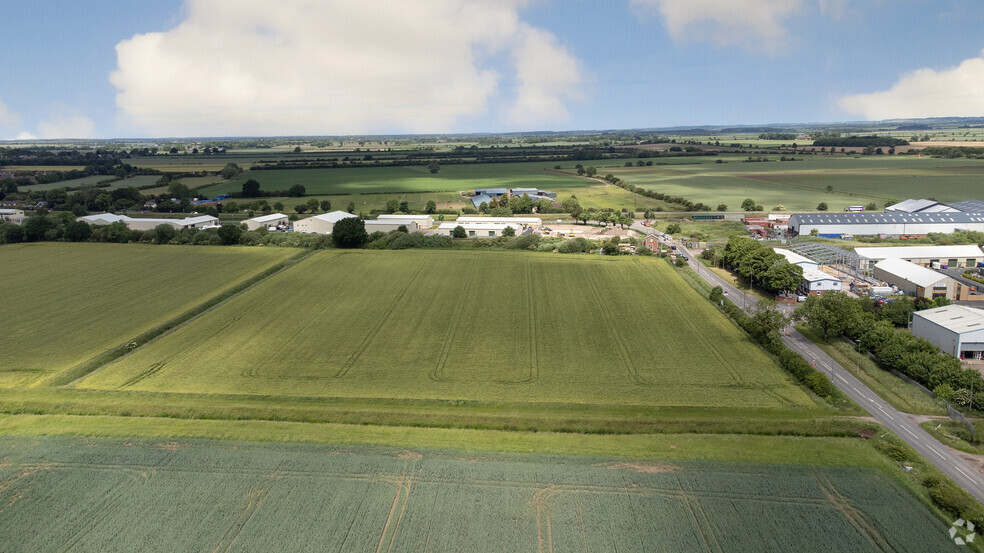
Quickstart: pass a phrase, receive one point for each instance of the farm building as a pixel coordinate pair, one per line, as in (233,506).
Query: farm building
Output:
(423,221)
(387,225)
(955,329)
(890,223)
(480,199)
(531,222)
(15,216)
(921,206)
(478,230)
(952,256)
(321,224)
(816,282)
(918,281)
(149,223)
(533,193)
(492,192)
(265,221)
(797,259)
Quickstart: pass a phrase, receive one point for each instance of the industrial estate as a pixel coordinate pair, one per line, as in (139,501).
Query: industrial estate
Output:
(334,291)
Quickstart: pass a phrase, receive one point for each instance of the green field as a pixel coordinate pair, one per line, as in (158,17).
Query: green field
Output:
(69,494)
(73,301)
(465,325)
(84,181)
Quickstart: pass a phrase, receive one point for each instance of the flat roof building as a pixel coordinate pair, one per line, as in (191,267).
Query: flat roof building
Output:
(816,282)
(478,230)
(271,220)
(918,281)
(388,225)
(955,329)
(150,223)
(423,221)
(321,224)
(534,222)
(889,223)
(952,256)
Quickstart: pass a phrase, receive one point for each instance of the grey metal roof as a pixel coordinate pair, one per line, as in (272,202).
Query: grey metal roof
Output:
(912,206)
(491,191)
(480,199)
(883,218)
(968,206)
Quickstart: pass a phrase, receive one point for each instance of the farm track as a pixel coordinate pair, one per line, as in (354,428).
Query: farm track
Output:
(254,499)
(856,517)
(621,349)
(437,374)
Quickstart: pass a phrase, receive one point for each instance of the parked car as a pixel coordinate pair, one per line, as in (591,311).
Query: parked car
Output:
(800,298)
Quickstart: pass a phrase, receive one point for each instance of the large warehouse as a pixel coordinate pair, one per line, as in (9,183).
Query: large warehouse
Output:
(531,222)
(478,230)
(918,281)
(148,223)
(389,225)
(423,221)
(266,221)
(955,329)
(952,256)
(321,224)
(835,225)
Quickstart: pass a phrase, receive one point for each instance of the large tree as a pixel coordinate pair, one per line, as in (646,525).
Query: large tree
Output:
(251,188)
(349,233)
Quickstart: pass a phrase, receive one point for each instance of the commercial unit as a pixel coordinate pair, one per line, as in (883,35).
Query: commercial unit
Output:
(888,224)
(921,206)
(918,281)
(523,222)
(927,256)
(321,224)
(15,216)
(423,221)
(149,223)
(266,221)
(388,225)
(817,282)
(478,230)
(797,259)
(955,329)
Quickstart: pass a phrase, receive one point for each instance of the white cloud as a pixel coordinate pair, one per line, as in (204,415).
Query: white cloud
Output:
(25,136)
(7,117)
(754,25)
(954,92)
(67,125)
(256,67)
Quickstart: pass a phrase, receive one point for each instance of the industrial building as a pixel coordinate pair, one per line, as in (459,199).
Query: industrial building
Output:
(918,281)
(531,222)
(933,206)
(148,223)
(835,225)
(797,259)
(15,216)
(955,329)
(478,230)
(927,256)
(423,221)
(388,225)
(321,224)
(817,282)
(267,221)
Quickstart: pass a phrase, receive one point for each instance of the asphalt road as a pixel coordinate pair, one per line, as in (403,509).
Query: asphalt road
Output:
(890,417)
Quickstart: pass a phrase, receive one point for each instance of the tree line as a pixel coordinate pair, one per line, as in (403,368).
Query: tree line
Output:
(762,265)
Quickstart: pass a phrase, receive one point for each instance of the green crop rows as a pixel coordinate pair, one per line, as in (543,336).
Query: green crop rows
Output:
(465,325)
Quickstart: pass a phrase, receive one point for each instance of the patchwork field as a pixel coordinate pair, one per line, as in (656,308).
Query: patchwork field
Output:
(70,494)
(73,301)
(465,325)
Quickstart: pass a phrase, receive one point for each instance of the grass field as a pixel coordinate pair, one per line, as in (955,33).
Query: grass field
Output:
(112,495)
(73,301)
(465,325)
(802,185)
(84,181)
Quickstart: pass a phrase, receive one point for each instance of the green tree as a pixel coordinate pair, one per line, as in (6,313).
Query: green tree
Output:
(349,233)
(720,207)
(350,208)
(230,234)
(459,232)
(279,206)
(164,233)
(233,207)
(392,206)
(673,228)
(313,205)
(326,205)
(570,204)
(830,314)
(251,188)
(296,191)
(872,206)
(433,167)
(405,206)
(590,171)
(300,208)
(77,231)
(431,207)
(229,171)
(748,204)
(509,231)
(822,206)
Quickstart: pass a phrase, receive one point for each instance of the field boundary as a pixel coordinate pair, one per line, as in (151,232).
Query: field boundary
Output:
(76,373)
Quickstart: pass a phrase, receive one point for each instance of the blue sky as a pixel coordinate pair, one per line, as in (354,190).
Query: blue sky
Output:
(253,67)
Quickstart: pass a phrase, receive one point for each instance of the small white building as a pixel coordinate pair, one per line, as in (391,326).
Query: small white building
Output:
(817,282)
(321,224)
(265,221)
(424,222)
(797,259)
(478,230)
(955,329)
(15,216)
(150,223)
(388,225)
(918,281)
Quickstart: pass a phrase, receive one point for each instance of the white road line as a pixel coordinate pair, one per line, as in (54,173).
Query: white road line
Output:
(844,380)
(938,454)
(909,431)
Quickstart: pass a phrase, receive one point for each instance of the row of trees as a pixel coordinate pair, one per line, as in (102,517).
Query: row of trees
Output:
(762,265)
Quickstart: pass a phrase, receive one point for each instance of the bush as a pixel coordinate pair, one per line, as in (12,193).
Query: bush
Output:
(459,232)
(229,234)
(77,231)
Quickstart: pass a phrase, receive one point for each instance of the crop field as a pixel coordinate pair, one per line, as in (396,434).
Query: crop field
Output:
(61,494)
(801,185)
(74,301)
(84,181)
(465,325)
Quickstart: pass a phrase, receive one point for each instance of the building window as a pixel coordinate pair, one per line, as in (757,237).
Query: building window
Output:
(471,233)
(491,233)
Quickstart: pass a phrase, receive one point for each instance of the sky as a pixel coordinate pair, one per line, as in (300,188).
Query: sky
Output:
(199,68)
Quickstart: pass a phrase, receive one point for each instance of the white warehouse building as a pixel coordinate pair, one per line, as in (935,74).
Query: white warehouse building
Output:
(955,329)
(889,223)
(423,221)
(478,230)
(532,222)
(321,224)
(952,256)
(797,259)
(387,225)
(266,221)
(148,223)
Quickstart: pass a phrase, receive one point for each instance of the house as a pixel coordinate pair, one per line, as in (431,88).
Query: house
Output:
(321,224)
(955,329)
(15,216)
(918,281)
(478,230)
(387,225)
(652,243)
(266,221)
(423,221)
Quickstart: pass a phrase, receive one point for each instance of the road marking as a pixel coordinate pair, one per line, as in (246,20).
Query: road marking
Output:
(844,380)
(931,448)
(909,431)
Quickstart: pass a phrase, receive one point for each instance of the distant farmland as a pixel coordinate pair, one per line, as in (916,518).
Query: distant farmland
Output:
(465,325)
(74,301)
(61,494)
